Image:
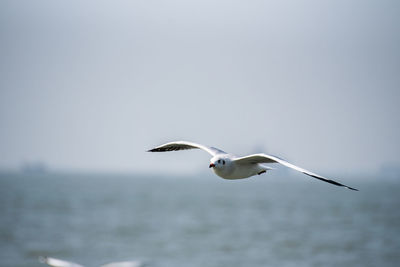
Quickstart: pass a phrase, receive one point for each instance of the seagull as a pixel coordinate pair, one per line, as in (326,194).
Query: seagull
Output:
(231,167)
(63,263)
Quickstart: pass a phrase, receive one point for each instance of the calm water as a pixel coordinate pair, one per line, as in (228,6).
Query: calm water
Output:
(198,221)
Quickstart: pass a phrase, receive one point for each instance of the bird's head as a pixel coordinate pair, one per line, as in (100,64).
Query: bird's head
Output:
(217,163)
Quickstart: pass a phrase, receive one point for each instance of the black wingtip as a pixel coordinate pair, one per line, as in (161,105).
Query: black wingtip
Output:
(155,150)
(330,181)
(351,188)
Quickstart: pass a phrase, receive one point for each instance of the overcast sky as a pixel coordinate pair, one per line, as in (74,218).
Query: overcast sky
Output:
(91,85)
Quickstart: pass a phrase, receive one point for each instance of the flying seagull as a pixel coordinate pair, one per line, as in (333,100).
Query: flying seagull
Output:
(231,167)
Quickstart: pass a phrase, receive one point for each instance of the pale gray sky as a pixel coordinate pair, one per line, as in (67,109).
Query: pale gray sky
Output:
(93,84)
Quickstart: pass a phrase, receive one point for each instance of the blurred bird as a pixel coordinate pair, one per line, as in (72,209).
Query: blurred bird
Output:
(63,263)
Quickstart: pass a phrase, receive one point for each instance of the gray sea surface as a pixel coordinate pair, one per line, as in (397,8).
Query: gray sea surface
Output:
(198,220)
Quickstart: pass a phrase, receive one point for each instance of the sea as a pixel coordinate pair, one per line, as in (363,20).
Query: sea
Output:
(198,220)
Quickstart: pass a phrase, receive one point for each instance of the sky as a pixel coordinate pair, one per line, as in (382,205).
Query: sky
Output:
(92,85)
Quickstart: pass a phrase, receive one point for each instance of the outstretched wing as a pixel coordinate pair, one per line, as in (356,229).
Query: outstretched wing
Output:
(184,145)
(264,158)
(58,263)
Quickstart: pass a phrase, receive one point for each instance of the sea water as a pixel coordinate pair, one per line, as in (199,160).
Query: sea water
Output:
(198,220)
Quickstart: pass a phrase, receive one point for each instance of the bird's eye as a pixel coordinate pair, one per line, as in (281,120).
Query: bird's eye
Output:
(219,161)
(223,162)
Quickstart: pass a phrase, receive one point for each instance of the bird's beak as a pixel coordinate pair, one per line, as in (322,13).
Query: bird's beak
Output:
(212,165)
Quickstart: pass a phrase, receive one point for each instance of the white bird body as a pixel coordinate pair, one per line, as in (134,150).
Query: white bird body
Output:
(231,170)
(230,167)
